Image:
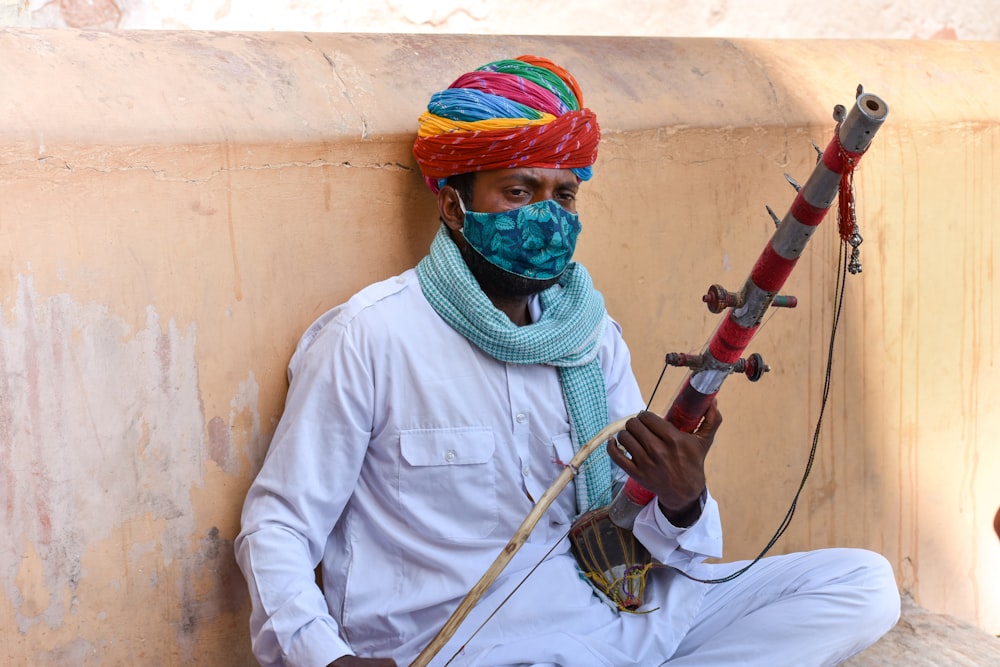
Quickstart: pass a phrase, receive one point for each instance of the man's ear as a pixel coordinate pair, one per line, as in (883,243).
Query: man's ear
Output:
(450,208)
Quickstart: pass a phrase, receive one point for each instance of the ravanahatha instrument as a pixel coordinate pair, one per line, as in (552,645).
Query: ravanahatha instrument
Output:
(830,178)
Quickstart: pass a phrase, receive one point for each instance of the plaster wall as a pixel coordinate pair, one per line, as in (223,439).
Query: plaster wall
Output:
(176,207)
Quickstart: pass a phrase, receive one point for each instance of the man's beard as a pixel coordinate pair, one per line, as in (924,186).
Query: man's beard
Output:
(496,282)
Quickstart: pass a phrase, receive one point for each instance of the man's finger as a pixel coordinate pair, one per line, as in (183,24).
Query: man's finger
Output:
(658,426)
(621,456)
(631,445)
(711,421)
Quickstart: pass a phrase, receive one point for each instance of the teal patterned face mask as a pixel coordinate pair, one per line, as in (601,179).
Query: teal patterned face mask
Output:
(534,241)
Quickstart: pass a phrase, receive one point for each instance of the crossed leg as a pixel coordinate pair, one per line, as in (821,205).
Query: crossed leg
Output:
(811,608)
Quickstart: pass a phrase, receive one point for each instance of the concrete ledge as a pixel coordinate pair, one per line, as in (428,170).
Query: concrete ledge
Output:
(183,88)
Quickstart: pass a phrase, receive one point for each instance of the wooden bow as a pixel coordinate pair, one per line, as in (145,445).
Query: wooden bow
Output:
(571,470)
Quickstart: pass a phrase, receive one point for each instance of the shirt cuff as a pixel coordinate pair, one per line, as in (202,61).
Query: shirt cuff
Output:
(317,645)
(700,540)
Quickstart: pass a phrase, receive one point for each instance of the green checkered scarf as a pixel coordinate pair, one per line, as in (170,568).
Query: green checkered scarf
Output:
(566,336)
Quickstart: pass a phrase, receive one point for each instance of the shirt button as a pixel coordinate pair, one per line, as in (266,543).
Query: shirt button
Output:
(449,456)
(400,280)
(520,417)
(526,471)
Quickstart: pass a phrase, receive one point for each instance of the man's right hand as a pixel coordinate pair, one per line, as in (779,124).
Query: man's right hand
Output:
(354,661)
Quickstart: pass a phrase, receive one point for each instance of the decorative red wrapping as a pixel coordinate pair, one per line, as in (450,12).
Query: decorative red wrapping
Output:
(637,493)
(806,213)
(836,157)
(729,342)
(771,270)
(689,407)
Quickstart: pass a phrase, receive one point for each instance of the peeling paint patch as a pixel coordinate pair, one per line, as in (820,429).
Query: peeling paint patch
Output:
(220,445)
(213,567)
(74,653)
(242,430)
(99,425)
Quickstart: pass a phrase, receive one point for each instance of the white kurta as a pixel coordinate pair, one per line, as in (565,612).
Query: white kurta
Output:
(404,461)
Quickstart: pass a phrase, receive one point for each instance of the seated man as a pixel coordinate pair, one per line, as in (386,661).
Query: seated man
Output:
(426,416)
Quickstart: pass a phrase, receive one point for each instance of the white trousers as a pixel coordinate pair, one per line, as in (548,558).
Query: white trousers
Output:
(807,609)
(812,608)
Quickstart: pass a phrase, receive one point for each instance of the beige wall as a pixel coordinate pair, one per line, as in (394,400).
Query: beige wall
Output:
(176,207)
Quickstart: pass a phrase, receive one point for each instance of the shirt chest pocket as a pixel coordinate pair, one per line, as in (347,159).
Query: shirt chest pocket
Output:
(447,481)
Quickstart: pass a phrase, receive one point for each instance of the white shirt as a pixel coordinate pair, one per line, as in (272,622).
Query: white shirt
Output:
(405,460)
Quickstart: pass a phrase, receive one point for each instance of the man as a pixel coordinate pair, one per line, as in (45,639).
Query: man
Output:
(427,414)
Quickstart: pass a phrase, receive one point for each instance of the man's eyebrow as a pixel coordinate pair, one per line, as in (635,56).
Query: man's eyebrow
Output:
(534,181)
(523,179)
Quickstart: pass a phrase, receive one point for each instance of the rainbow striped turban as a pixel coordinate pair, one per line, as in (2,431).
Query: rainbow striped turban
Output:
(526,112)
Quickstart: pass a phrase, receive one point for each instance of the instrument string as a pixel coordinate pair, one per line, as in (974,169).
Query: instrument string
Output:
(656,386)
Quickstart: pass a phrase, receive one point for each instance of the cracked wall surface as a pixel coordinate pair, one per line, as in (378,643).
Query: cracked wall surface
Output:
(176,208)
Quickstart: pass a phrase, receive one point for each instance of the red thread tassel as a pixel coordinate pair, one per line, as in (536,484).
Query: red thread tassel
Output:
(847,222)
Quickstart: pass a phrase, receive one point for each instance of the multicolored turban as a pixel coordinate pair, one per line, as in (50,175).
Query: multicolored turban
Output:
(526,112)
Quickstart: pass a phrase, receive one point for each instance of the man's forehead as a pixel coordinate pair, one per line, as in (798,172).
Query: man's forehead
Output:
(530,175)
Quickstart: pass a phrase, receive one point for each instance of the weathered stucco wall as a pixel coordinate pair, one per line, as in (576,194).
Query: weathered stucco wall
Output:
(176,207)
